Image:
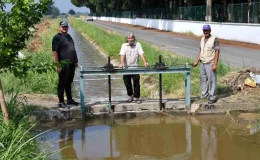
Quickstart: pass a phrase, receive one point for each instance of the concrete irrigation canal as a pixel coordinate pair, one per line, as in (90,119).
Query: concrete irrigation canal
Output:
(155,129)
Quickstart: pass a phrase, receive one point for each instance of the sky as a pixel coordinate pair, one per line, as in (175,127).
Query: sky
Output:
(64,6)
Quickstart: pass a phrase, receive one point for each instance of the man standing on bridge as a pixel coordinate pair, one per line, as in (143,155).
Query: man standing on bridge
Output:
(129,57)
(63,49)
(208,56)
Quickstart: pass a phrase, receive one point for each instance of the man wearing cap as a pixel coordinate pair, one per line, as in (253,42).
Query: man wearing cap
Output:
(63,49)
(208,56)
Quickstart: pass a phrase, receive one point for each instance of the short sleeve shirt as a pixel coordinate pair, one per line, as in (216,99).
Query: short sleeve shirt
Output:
(64,46)
(131,53)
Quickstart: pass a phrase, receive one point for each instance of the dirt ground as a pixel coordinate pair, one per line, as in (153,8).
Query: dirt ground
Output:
(240,91)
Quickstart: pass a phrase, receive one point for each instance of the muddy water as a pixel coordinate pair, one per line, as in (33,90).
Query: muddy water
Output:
(156,137)
(146,137)
(96,89)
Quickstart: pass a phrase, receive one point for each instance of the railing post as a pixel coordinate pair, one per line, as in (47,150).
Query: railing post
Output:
(109,88)
(160,84)
(82,96)
(187,90)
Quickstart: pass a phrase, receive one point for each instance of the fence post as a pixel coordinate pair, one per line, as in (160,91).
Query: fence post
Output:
(241,11)
(256,12)
(209,11)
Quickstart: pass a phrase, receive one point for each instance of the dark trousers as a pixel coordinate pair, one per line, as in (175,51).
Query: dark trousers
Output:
(128,84)
(65,79)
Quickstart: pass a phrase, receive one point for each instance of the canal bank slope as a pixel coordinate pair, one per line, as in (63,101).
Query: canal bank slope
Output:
(228,102)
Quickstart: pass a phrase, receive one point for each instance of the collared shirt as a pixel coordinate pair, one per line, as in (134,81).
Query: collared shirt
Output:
(131,53)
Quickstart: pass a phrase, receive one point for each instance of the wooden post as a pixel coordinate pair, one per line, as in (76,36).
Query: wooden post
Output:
(2,103)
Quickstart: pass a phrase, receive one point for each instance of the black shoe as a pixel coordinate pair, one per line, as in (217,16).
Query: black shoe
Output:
(204,97)
(72,102)
(212,101)
(62,105)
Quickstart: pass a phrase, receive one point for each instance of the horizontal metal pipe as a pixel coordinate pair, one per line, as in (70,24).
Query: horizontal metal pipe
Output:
(99,79)
(117,67)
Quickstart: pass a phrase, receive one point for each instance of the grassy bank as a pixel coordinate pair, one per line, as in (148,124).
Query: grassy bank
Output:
(18,140)
(173,84)
(39,49)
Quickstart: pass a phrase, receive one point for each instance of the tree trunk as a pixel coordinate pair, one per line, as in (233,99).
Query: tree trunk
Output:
(2,103)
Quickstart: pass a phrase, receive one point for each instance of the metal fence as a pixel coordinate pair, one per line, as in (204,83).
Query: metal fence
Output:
(236,13)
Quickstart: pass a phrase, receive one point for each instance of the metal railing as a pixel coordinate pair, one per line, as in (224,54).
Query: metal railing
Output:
(236,13)
(159,68)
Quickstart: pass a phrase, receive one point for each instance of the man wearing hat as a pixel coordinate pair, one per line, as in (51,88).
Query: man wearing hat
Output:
(63,49)
(208,56)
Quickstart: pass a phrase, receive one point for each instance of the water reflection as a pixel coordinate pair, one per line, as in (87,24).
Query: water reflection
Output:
(66,142)
(158,138)
(208,143)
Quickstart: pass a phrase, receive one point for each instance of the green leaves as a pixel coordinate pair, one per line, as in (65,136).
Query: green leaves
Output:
(15,30)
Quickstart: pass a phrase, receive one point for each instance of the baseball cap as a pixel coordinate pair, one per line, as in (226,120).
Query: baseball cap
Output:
(206,27)
(64,24)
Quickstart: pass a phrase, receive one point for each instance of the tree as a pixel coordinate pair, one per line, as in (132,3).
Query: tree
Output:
(52,10)
(72,12)
(55,11)
(16,27)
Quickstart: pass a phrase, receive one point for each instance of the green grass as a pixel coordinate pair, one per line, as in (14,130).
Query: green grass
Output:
(37,82)
(189,33)
(173,84)
(17,139)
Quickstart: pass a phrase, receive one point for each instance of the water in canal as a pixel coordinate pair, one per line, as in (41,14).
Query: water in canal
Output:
(156,137)
(96,87)
(146,136)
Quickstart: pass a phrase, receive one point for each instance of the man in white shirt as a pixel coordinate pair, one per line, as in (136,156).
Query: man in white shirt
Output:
(129,57)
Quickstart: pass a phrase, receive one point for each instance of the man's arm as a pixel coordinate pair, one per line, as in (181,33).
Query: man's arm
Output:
(144,60)
(197,61)
(122,60)
(54,52)
(217,52)
(122,56)
(141,53)
(215,64)
(55,56)
(56,59)
(76,56)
